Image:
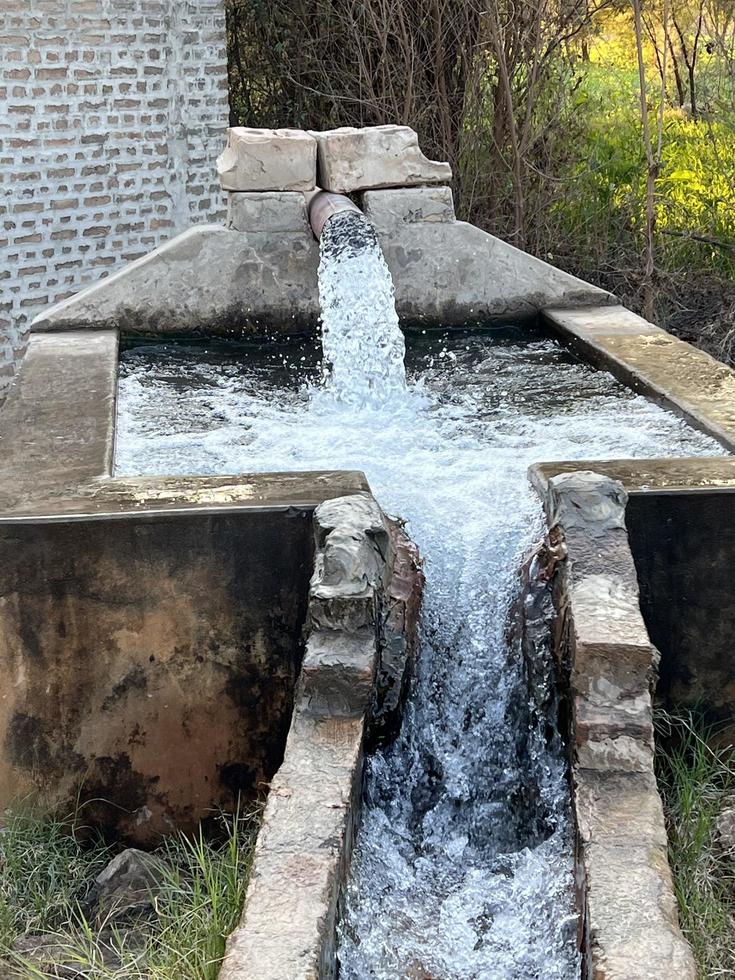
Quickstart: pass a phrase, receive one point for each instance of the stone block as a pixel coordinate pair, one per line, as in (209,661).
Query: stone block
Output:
(267,160)
(621,753)
(128,884)
(267,211)
(353,159)
(630,902)
(337,673)
(352,548)
(388,209)
(619,716)
(287,929)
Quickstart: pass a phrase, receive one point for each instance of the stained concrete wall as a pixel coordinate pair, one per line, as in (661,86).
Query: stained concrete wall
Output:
(149,662)
(110,119)
(684,550)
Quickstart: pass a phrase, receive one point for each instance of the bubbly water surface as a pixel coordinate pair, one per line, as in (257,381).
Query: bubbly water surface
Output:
(463,864)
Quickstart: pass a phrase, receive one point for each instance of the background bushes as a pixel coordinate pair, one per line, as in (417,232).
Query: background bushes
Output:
(536,104)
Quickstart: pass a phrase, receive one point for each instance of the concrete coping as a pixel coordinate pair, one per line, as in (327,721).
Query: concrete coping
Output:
(629,909)
(650,360)
(288,922)
(147,496)
(57,425)
(639,476)
(57,436)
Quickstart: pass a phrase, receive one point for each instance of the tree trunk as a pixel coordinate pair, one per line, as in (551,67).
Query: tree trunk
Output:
(692,92)
(677,75)
(649,265)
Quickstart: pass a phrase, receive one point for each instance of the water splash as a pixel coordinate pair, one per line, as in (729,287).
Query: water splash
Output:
(362,342)
(463,864)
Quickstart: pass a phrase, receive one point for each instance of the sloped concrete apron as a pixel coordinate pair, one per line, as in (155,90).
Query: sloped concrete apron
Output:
(628,905)
(259,274)
(287,931)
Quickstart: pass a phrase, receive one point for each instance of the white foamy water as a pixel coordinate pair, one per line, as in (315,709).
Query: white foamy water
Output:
(358,315)
(463,865)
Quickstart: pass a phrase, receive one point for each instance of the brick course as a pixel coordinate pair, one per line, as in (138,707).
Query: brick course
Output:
(112,113)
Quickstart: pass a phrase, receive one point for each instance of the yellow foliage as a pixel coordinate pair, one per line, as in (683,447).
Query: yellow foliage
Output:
(696,188)
(614,46)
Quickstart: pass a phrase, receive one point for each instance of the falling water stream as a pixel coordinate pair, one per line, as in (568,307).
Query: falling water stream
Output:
(463,863)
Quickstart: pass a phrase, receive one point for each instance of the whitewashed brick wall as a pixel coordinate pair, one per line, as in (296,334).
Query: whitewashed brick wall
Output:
(112,113)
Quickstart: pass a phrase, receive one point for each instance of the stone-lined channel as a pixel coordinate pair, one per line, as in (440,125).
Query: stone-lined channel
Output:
(463,864)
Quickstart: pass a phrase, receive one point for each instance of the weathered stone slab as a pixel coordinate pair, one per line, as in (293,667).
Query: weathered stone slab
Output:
(287,927)
(353,159)
(124,496)
(682,536)
(267,212)
(287,931)
(267,160)
(631,908)
(409,205)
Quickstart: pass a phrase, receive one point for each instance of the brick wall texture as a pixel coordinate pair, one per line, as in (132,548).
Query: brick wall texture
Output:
(112,113)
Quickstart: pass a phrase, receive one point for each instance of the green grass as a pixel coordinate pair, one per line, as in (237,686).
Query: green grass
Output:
(42,867)
(45,872)
(697,781)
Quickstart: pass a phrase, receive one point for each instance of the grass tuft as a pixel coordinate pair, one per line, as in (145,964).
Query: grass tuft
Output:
(697,782)
(45,872)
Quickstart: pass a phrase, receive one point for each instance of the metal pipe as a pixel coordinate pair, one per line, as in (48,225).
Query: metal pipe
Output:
(322,205)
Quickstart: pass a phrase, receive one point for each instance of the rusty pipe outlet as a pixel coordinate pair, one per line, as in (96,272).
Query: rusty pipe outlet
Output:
(322,205)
